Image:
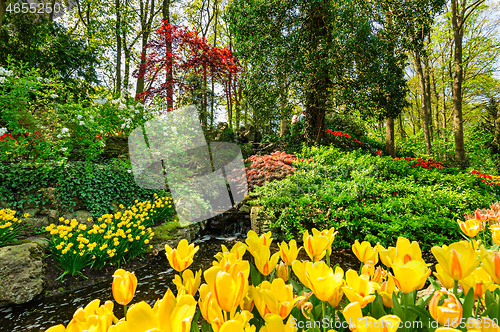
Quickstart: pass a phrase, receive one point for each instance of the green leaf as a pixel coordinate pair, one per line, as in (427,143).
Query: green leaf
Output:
(424,316)
(377,307)
(398,311)
(255,275)
(468,304)
(194,325)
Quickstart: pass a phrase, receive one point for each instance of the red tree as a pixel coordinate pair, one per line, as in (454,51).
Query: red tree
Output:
(164,69)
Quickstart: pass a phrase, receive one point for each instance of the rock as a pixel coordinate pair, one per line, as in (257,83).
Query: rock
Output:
(32,212)
(67,216)
(83,216)
(49,194)
(22,273)
(30,224)
(258,221)
(52,214)
(37,239)
(244,209)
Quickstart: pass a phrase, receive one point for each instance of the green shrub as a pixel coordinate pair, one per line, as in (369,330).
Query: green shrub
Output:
(371,198)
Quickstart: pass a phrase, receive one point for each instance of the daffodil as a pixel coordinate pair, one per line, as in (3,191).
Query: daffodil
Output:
(458,260)
(182,257)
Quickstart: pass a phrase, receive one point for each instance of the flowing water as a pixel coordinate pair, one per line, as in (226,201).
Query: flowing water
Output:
(153,281)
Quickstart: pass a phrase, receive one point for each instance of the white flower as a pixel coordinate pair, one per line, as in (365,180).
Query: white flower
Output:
(82,123)
(64,149)
(3,130)
(64,130)
(58,136)
(123,125)
(2,79)
(79,117)
(91,117)
(102,132)
(101,100)
(54,96)
(129,171)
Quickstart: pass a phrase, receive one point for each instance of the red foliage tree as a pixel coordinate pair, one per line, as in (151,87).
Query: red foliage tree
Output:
(165,68)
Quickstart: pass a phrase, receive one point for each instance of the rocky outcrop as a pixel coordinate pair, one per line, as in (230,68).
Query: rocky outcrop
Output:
(22,272)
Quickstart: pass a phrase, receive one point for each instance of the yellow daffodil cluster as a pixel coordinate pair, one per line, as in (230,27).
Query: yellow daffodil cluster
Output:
(124,234)
(10,226)
(262,295)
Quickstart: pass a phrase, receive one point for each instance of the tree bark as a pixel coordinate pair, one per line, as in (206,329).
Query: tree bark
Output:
(425,101)
(389,137)
(170,65)
(118,68)
(3,8)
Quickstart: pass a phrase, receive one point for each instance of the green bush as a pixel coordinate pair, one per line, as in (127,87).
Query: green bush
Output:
(371,198)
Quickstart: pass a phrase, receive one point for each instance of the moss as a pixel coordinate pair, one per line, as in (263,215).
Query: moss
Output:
(166,231)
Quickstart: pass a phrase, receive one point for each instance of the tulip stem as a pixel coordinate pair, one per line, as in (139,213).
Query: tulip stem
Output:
(289,267)
(477,307)
(323,309)
(327,259)
(455,289)
(228,316)
(125,311)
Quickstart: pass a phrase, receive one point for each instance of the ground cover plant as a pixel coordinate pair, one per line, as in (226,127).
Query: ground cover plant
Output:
(258,294)
(372,198)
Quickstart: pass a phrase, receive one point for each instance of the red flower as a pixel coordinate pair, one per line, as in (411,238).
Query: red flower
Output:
(379,153)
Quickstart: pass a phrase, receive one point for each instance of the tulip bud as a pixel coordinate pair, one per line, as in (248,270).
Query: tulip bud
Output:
(124,285)
(282,271)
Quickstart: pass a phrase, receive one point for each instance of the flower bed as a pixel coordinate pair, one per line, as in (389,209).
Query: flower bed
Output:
(262,295)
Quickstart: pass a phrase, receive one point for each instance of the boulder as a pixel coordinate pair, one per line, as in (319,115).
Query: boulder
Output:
(22,272)
(30,224)
(52,214)
(32,212)
(83,216)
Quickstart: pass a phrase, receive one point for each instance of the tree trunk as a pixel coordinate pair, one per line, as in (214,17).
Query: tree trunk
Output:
(436,112)
(401,128)
(389,137)
(3,8)
(458,32)
(427,80)
(317,94)
(216,8)
(170,65)
(425,101)
(118,84)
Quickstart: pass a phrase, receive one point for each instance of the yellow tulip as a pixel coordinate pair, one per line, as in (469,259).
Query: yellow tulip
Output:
(495,234)
(275,298)
(238,250)
(470,227)
(387,289)
(364,252)
(319,277)
(401,254)
(92,317)
(330,234)
(443,277)
(57,328)
(359,288)
(449,313)
(248,301)
(485,324)
(182,257)
(447,329)
(255,242)
(124,285)
(209,308)
(239,322)
(274,323)
(289,253)
(264,262)
(316,245)
(354,317)
(282,271)
(491,263)
(189,282)
(411,275)
(458,259)
(228,287)
(479,281)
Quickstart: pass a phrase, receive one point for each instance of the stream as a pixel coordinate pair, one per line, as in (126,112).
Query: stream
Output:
(153,281)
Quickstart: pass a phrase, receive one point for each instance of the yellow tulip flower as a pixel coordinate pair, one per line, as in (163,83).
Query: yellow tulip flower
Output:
(401,254)
(189,282)
(485,324)
(411,275)
(57,328)
(470,227)
(495,234)
(274,323)
(275,298)
(317,244)
(353,315)
(264,262)
(443,277)
(238,250)
(359,288)
(248,301)
(387,289)
(364,252)
(182,257)
(449,313)
(92,317)
(228,287)
(319,277)
(491,263)
(235,326)
(479,280)
(124,285)
(238,322)
(289,253)
(458,259)
(282,271)
(330,234)
(255,242)
(209,308)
